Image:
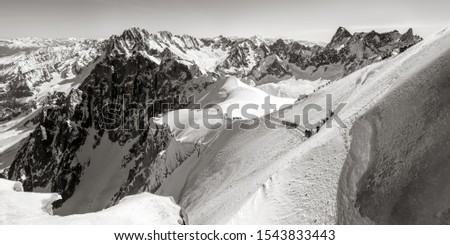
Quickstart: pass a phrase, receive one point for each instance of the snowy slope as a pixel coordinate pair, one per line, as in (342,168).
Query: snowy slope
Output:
(104,166)
(14,131)
(399,153)
(224,100)
(291,88)
(234,92)
(12,135)
(61,60)
(280,177)
(18,207)
(227,174)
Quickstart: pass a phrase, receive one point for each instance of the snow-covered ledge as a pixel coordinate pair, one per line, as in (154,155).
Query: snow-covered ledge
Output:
(18,207)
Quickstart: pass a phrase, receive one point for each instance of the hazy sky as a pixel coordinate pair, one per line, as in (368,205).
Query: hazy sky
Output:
(307,20)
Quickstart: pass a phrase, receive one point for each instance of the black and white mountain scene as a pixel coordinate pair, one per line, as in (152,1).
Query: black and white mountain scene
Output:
(224,112)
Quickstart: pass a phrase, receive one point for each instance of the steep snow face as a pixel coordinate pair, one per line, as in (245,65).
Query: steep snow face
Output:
(397,168)
(301,189)
(104,165)
(18,207)
(347,173)
(12,136)
(216,183)
(66,152)
(224,94)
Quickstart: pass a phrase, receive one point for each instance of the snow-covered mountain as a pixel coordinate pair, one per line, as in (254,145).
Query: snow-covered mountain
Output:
(376,168)
(74,137)
(105,131)
(41,67)
(14,46)
(18,207)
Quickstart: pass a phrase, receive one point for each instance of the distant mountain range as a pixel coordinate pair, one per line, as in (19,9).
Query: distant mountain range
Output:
(65,85)
(32,68)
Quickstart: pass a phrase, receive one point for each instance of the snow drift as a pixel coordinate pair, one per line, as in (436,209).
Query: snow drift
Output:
(397,168)
(18,207)
(385,165)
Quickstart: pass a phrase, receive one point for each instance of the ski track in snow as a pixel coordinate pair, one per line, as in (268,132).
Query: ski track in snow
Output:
(270,177)
(277,176)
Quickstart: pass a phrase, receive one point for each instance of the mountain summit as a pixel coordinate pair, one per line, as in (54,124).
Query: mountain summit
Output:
(100,129)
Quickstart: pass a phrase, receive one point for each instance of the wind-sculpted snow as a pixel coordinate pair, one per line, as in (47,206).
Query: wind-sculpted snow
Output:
(397,168)
(66,152)
(385,165)
(43,66)
(25,208)
(111,136)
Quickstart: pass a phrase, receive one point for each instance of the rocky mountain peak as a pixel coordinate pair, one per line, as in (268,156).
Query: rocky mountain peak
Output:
(166,54)
(257,40)
(135,33)
(279,43)
(156,69)
(408,36)
(339,38)
(133,39)
(264,49)
(279,47)
(190,42)
(342,32)
(164,36)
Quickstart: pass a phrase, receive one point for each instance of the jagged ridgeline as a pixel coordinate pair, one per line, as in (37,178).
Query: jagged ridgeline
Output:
(77,144)
(51,157)
(260,60)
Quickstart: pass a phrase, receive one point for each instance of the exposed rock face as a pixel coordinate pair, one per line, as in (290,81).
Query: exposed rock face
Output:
(280,48)
(345,53)
(22,76)
(135,76)
(271,67)
(4,174)
(45,160)
(51,157)
(156,155)
(241,59)
(408,38)
(340,38)
(342,56)
(23,73)
(28,70)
